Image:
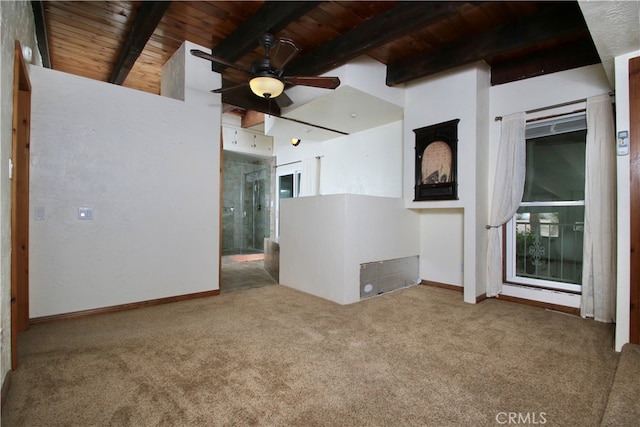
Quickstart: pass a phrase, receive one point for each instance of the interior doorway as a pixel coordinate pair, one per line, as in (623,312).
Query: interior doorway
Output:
(246,203)
(20,202)
(247,208)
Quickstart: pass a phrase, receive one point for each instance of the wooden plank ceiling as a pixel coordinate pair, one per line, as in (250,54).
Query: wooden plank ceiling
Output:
(127,42)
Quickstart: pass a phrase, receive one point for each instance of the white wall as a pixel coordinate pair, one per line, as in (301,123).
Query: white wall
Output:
(444,97)
(312,256)
(544,91)
(459,94)
(624,204)
(534,93)
(383,230)
(362,73)
(324,239)
(367,162)
(188,78)
(441,251)
(172,82)
(148,166)
(482,201)
(16,23)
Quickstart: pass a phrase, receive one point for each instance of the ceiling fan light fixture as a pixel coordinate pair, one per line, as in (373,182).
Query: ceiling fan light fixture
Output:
(266,86)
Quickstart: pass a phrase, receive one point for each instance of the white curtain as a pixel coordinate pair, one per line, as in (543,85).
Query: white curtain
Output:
(310,177)
(599,247)
(507,193)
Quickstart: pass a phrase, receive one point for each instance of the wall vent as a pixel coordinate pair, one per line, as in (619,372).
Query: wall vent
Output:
(379,277)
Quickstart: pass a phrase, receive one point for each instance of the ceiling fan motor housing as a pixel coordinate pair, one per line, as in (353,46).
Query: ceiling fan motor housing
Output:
(262,67)
(267,41)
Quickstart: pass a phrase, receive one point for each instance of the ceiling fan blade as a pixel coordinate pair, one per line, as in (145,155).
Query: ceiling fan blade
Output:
(208,56)
(229,88)
(282,53)
(321,82)
(283,100)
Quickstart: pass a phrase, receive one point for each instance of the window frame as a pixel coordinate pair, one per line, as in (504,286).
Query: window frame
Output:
(297,176)
(509,231)
(510,254)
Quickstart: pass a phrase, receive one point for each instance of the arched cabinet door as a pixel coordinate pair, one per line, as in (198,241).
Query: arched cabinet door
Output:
(436,162)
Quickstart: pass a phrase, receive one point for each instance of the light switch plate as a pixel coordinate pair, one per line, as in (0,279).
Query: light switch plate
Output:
(85,213)
(40,213)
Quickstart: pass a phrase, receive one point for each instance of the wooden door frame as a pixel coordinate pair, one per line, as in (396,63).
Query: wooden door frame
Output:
(220,209)
(634,168)
(20,201)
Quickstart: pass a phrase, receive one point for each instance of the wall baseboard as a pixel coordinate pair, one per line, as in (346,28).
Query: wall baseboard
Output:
(554,307)
(442,285)
(6,382)
(122,307)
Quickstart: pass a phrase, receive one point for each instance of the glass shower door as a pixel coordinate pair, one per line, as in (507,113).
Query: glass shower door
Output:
(255,222)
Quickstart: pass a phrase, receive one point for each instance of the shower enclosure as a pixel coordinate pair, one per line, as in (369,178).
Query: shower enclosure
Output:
(246,210)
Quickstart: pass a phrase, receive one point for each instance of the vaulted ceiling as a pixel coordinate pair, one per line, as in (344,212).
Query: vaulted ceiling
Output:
(128,42)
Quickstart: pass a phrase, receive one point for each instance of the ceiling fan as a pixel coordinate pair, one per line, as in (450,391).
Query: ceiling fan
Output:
(267,74)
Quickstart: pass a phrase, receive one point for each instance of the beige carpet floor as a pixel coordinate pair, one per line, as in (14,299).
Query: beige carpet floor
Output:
(272,356)
(623,407)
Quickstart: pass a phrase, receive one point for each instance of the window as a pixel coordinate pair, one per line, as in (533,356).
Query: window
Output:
(288,187)
(544,239)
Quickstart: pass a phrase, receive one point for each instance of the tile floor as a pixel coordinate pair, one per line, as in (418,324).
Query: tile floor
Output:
(243,275)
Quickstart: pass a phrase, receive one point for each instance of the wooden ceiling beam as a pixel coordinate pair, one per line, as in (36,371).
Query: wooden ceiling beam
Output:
(251,118)
(41,32)
(147,19)
(553,22)
(390,25)
(271,17)
(565,57)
